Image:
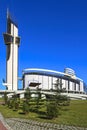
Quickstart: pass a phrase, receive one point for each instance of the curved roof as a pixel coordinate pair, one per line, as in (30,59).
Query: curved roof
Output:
(47,72)
(43,71)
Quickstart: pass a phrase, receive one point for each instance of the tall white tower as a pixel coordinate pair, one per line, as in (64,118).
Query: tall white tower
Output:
(12,43)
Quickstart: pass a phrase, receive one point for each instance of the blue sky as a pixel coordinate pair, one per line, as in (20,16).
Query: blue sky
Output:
(53,34)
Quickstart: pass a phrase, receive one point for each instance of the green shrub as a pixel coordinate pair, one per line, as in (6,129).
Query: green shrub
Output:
(25,107)
(27,94)
(52,110)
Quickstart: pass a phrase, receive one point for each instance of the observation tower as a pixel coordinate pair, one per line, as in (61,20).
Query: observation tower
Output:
(12,41)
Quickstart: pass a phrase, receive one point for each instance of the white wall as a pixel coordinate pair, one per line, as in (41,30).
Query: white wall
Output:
(48,82)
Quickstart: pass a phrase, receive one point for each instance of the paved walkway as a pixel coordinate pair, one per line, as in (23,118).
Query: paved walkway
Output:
(24,124)
(2,127)
(3,124)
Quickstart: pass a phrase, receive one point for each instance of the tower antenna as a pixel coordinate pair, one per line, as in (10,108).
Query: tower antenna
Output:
(8,13)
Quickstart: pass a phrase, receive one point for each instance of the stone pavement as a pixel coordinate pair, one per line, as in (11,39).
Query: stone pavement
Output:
(3,124)
(24,124)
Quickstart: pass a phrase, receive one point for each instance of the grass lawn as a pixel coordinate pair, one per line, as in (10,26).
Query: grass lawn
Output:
(75,114)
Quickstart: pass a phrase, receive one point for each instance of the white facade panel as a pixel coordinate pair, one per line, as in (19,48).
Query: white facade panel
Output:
(45,82)
(26,81)
(35,78)
(54,83)
(9,68)
(77,87)
(70,85)
(63,84)
(40,81)
(73,86)
(50,82)
(81,87)
(15,60)
(66,85)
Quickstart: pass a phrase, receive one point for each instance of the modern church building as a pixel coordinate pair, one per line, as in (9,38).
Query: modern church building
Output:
(43,79)
(48,80)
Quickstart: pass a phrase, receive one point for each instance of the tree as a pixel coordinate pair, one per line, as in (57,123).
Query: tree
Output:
(5,98)
(27,97)
(38,97)
(52,109)
(25,107)
(56,100)
(27,94)
(14,102)
(60,99)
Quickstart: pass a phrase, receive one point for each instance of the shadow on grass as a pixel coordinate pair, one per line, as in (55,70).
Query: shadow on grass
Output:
(46,117)
(43,117)
(22,113)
